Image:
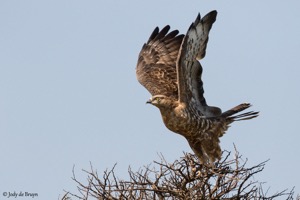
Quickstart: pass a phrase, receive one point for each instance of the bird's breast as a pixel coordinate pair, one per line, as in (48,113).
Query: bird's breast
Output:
(185,123)
(176,120)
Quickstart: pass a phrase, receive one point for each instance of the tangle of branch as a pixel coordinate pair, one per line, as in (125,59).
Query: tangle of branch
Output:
(185,179)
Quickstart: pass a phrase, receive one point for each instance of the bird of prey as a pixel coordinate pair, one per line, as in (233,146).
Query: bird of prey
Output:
(169,69)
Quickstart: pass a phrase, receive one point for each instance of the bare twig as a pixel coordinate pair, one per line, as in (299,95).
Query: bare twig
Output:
(185,178)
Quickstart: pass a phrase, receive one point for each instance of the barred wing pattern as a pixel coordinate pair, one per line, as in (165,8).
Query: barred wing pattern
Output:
(189,70)
(156,68)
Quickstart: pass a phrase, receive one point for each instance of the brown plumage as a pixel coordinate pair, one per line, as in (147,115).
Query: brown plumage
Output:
(169,69)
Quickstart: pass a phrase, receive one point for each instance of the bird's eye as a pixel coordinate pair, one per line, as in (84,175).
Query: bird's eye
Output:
(158,99)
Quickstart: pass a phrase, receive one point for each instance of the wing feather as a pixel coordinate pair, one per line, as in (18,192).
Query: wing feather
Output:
(189,70)
(156,67)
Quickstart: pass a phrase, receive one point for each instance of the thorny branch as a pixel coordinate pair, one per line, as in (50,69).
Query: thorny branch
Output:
(185,178)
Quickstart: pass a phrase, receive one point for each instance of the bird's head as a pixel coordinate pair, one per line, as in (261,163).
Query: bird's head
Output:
(160,101)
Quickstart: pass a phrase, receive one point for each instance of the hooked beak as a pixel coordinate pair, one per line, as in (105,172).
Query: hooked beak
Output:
(149,101)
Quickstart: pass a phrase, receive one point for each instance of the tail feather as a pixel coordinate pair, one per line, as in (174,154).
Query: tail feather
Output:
(244,116)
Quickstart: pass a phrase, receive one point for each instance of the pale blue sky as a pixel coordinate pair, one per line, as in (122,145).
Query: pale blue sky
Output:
(69,95)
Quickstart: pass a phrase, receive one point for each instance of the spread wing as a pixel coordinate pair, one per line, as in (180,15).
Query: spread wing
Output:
(189,69)
(156,67)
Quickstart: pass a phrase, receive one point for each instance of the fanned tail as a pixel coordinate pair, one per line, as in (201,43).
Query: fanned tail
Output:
(228,115)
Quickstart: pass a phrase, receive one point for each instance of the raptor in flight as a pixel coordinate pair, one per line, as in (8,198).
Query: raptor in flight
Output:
(169,69)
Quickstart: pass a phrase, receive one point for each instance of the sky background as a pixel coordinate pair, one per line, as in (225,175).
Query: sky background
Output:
(69,95)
